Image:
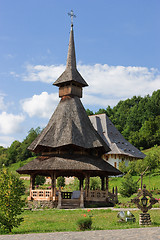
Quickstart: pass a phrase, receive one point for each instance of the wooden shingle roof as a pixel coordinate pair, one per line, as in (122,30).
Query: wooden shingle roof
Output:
(71,74)
(69,164)
(69,125)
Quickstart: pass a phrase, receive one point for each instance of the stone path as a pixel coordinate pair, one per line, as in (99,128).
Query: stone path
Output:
(149,233)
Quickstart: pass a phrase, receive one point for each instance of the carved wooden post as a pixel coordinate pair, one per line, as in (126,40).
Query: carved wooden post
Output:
(32,183)
(82,198)
(107,185)
(80,183)
(102,183)
(59,199)
(53,186)
(87,186)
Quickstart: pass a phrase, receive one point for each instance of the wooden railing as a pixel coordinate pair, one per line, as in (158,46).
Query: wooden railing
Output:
(41,194)
(96,195)
(101,196)
(93,195)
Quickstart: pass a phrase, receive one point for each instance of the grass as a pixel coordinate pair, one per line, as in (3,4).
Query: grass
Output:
(65,220)
(152,182)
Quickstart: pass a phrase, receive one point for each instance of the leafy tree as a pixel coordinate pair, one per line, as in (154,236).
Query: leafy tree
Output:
(3,156)
(89,112)
(13,152)
(39,180)
(11,204)
(140,166)
(128,186)
(122,167)
(101,110)
(109,111)
(95,183)
(3,159)
(24,153)
(152,160)
(61,181)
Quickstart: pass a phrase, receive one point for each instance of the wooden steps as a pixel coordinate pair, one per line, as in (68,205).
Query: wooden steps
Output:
(70,203)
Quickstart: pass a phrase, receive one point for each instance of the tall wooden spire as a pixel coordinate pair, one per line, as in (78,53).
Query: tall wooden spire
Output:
(70,83)
(71,58)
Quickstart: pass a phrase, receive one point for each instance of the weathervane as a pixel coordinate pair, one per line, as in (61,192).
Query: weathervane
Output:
(71,14)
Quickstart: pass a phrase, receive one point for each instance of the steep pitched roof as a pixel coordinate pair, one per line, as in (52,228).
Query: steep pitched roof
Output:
(114,139)
(69,125)
(71,73)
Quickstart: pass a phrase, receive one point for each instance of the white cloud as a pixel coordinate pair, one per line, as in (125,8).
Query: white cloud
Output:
(119,81)
(10,123)
(107,85)
(6,141)
(41,105)
(43,73)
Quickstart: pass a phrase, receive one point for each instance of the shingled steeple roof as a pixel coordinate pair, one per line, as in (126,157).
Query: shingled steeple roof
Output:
(71,74)
(69,145)
(69,124)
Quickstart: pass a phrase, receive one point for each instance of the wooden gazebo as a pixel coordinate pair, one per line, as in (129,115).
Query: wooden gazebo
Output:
(70,146)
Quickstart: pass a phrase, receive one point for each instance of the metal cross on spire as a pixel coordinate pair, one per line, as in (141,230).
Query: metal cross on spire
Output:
(71,14)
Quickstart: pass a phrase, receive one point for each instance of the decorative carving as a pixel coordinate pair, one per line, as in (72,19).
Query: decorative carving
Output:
(144,207)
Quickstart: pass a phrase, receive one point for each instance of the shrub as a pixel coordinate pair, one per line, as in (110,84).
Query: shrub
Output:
(128,186)
(11,191)
(84,223)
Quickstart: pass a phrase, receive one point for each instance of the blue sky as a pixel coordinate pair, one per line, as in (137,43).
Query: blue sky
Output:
(117,49)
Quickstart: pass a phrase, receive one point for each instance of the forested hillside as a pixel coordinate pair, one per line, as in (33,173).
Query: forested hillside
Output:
(138,119)
(18,150)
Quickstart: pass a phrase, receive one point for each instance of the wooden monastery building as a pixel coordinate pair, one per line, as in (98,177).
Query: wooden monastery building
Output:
(121,149)
(70,146)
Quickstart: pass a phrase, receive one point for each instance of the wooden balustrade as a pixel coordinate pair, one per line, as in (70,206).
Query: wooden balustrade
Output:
(96,195)
(101,196)
(93,195)
(41,194)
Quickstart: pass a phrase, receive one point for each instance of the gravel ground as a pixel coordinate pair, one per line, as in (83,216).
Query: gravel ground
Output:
(149,233)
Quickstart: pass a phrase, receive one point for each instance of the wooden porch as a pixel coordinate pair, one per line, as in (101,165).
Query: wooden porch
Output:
(75,199)
(72,200)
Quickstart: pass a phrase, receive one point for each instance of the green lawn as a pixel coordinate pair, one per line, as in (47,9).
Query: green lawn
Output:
(65,220)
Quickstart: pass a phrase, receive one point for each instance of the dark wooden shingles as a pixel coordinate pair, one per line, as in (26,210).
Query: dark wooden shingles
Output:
(69,125)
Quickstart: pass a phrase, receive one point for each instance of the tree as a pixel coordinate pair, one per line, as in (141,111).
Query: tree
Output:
(24,153)
(39,180)
(11,204)
(128,186)
(89,112)
(100,111)
(61,181)
(152,160)
(95,183)
(13,152)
